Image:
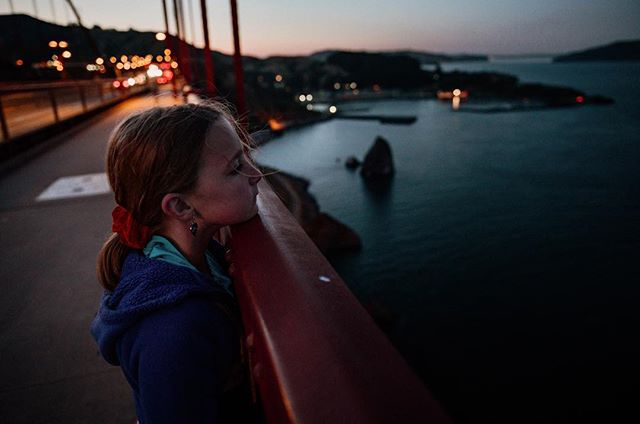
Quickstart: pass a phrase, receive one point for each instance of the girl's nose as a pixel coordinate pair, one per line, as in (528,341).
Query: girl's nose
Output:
(254,176)
(254,180)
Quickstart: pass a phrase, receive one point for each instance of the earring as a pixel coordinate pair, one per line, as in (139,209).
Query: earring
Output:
(193,227)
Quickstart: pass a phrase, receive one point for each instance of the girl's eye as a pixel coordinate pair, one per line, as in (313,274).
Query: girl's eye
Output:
(238,167)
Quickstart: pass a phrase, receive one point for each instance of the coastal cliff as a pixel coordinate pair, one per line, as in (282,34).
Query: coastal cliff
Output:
(329,234)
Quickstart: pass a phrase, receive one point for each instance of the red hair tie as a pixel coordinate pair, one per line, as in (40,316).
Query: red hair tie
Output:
(132,233)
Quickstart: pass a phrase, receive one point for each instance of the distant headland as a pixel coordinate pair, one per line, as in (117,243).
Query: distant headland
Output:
(618,51)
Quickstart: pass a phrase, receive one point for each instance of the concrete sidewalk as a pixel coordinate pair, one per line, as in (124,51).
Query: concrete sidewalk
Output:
(50,369)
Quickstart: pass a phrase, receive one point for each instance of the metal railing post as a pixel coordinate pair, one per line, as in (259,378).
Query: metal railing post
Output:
(54,106)
(3,122)
(83,98)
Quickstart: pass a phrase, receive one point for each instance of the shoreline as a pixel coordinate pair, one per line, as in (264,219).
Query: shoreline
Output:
(329,234)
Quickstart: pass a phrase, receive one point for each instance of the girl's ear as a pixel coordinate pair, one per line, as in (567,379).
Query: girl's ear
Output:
(174,206)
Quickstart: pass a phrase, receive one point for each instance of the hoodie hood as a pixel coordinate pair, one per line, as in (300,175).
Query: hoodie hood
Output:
(146,285)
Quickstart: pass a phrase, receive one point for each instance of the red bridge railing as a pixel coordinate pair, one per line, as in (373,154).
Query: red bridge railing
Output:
(316,355)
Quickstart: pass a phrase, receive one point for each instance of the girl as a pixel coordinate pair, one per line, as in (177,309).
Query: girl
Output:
(168,317)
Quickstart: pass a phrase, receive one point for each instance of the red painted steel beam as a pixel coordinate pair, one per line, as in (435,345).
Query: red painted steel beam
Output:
(237,64)
(315,353)
(208,60)
(168,42)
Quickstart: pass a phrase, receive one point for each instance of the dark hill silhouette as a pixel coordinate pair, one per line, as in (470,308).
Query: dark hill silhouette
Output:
(620,50)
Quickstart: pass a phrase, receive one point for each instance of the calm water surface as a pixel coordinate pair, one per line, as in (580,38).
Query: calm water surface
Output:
(507,246)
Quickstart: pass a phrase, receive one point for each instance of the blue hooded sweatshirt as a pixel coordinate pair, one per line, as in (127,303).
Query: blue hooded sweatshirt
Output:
(173,332)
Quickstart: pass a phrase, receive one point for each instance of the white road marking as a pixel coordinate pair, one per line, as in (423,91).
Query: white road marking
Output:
(76,186)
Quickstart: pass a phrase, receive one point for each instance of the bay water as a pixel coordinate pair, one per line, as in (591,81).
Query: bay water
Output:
(506,249)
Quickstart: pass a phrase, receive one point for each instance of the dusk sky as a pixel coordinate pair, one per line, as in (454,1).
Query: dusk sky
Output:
(291,27)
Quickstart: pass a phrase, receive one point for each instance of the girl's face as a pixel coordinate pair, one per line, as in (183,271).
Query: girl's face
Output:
(226,189)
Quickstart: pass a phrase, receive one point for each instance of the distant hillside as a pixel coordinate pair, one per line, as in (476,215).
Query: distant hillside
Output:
(425,58)
(620,50)
(26,38)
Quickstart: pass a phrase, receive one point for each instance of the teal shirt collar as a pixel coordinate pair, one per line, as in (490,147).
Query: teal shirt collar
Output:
(161,248)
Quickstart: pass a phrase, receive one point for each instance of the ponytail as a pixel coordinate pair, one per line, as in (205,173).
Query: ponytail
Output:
(110,260)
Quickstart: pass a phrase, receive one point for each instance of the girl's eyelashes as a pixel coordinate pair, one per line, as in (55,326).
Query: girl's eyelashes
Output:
(237,167)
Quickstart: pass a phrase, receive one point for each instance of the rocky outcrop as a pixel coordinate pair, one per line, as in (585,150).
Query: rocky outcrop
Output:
(331,235)
(328,234)
(352,162)
(378,163)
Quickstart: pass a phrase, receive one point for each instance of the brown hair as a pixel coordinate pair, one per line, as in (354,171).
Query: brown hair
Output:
(150,154)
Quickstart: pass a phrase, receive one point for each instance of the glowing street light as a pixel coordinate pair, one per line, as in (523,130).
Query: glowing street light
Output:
(99,61)
(66,54)
(333,109)
(63,44)
(53,44)
(160,36)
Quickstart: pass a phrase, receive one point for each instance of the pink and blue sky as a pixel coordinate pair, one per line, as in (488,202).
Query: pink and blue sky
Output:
(289,27)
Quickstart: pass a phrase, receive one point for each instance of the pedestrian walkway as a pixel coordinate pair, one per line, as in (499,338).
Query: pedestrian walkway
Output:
(50,369)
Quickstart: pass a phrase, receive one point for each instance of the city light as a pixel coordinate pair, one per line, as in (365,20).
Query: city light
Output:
(309,97)
(91,67)
(309,106)
(66,54)
(333,109)
(119,65)
(276,125)
(160,36)
(113,59)
(167,52)
(279,78)
(174,65)
(302,97)
(19,62)
(159,58)
(99,61)
(154,71)
(457,92)
(131,82)
(124,58)
(116,84)
(53,44)
(353,85)
(336,86)
(455,102)
(63,44)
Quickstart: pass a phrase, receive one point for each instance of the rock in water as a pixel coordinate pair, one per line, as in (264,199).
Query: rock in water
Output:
(352,162)
(332,236)
(378,163)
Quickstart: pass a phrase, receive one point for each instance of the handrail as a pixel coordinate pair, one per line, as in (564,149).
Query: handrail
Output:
(316,355)
(40,86)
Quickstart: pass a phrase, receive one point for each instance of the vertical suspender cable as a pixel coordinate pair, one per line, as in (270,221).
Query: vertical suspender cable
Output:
(208,60)
(237,62)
